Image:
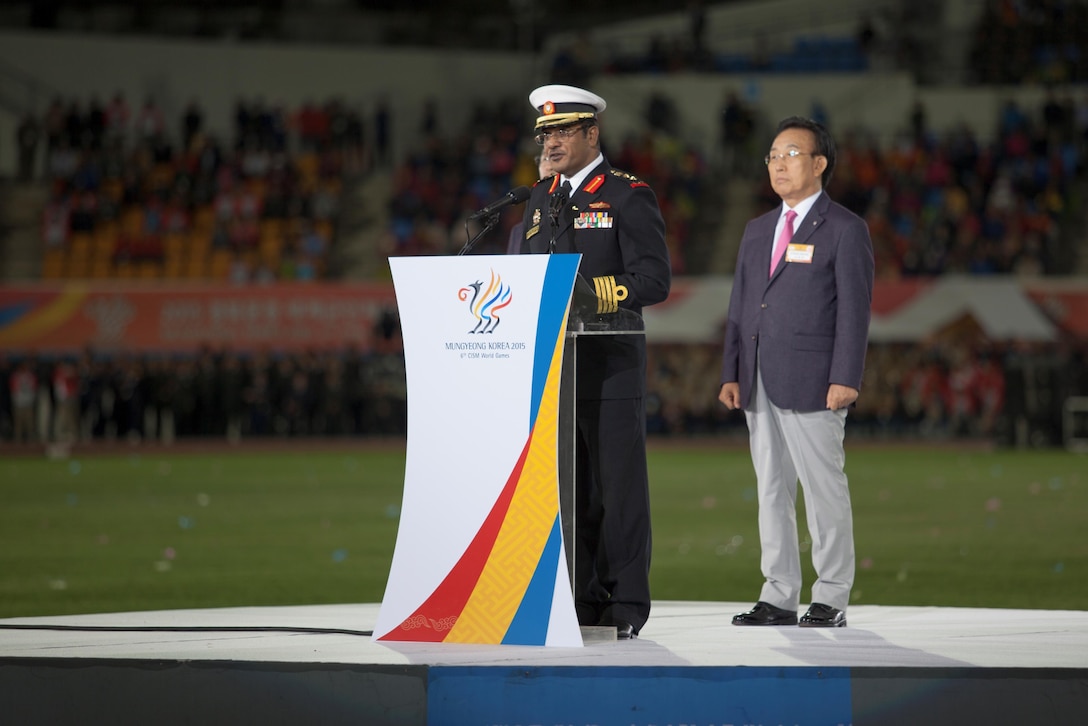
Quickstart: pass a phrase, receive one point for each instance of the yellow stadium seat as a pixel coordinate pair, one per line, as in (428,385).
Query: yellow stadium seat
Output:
(271,228)
(80,244)
(196,264)
(220,264)
(132,222)
(77,266)
(308,166)
(204,219)
(161,176)
(53,264)
(149,270)
(200,242)
(173,267)
(101,268)
(173,244)
(105,240)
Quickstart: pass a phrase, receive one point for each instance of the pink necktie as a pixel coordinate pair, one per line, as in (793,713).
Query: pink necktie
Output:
(783,240)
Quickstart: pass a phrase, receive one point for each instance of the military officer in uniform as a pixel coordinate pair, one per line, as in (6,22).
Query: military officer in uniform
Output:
(612,219)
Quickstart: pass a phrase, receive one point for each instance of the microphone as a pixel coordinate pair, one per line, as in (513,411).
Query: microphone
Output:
(559,199)
(514,196)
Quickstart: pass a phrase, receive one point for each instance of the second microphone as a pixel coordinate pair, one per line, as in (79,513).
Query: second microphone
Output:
(516,195)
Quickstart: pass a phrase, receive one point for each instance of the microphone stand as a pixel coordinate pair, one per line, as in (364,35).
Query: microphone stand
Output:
(555,210)
(489,225)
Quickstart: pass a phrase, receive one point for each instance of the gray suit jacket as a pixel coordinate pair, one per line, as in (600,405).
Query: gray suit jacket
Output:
(810,320)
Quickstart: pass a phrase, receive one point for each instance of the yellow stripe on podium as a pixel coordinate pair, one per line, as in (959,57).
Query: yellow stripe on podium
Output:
(524,533)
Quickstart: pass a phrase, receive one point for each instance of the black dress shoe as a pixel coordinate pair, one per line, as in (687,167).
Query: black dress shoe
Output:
(624,629)
(766,614)
(823,616)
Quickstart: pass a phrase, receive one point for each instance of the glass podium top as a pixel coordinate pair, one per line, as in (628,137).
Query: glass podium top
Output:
(584,318)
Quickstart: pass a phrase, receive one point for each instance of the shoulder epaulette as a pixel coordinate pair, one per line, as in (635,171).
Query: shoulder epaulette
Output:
(633,180)
(546,180)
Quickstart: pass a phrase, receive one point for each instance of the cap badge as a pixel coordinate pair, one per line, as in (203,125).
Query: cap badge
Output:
(548,108)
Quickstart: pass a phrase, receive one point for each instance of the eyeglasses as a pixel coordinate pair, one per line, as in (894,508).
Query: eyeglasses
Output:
(791,154)
(562,133)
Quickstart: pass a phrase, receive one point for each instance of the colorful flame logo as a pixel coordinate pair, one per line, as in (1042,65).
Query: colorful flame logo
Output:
(485,303)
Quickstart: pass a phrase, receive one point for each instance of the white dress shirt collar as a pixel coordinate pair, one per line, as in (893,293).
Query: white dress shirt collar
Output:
(802,209)
(577,179)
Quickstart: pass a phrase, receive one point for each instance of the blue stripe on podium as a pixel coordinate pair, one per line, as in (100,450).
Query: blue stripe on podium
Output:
(647,696)
(554,298)
(530,624)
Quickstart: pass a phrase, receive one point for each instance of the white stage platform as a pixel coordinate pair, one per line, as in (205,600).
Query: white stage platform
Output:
(689,666)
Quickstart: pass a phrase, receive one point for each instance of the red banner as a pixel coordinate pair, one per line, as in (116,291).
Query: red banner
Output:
(140,318)
(130,316)
(1066,303)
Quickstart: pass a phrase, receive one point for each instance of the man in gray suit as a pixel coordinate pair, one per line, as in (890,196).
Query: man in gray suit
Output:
(795,342)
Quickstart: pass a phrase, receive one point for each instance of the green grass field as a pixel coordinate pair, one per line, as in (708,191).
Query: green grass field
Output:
(153,530)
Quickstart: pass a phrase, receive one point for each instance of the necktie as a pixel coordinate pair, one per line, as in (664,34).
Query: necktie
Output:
(783,240)
(563,193)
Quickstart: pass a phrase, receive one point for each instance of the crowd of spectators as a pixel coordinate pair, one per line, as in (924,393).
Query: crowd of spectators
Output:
(132,195)
(1030,42)
(936,202)
(128,193)
(454,173)
(1009,394)
(677,172)
(953,388)
(940,203)
(354,391)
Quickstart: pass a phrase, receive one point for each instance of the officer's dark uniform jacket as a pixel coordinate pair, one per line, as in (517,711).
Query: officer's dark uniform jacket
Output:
(614,222)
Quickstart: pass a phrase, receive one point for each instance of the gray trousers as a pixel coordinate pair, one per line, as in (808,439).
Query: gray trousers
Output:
(787,445)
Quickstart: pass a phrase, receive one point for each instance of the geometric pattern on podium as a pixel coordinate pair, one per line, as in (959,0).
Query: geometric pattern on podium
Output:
(501,589)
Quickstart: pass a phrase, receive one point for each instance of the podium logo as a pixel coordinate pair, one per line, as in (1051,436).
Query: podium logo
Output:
(485,302)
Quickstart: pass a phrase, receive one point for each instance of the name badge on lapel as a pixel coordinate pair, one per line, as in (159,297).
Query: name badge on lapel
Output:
(593,220)
(800,253)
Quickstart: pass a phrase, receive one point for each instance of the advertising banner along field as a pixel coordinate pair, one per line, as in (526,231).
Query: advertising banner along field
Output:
(141,317)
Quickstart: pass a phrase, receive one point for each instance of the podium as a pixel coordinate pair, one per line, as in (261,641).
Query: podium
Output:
(479,556)
(483,551)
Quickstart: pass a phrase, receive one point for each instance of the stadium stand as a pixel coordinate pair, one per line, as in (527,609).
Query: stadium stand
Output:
(125,193)
(129,199)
